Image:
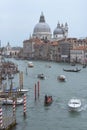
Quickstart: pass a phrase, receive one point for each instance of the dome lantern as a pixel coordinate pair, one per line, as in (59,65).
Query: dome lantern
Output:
(42,19)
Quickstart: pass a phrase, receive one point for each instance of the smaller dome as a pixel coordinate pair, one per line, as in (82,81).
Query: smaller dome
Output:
(58,31)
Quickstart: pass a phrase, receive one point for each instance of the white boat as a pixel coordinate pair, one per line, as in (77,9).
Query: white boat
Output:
(9,101)
(30,64)
(15,90)
(74,104)
(22,91)
(61,78)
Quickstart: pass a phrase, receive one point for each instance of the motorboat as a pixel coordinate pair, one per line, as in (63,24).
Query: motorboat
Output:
(48,100)
(61,77)
(41,76)
(30,64)
(74,104)
(9,101)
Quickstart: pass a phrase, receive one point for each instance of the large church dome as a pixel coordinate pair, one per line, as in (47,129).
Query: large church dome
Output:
(42,29)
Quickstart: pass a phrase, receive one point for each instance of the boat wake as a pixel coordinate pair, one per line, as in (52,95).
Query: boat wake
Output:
(83,108)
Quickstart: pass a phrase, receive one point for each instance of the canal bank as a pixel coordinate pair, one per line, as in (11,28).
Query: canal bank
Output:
(56,116)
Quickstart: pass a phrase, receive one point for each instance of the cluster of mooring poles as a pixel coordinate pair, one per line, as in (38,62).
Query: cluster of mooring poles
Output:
(7,121)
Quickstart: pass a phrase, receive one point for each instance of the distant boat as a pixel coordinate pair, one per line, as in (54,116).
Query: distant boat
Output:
(48,66)
(41,76)
(30,64)
(61,77)
(72,70)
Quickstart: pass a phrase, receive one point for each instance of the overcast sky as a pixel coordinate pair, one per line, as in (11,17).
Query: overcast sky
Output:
(19,17)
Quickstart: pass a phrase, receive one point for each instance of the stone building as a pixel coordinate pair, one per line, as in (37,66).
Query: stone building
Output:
(42,45)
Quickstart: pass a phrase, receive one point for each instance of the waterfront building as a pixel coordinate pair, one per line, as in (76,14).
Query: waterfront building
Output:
(42,45)
(64,48)
(78,54)
(9,51)
(53,51)
(28,48)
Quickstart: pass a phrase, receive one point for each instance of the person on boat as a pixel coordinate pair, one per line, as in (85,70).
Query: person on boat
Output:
(50,99)
(46,98)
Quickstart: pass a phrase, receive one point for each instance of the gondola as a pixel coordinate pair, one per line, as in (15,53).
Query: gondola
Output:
(72,70)
(48,100)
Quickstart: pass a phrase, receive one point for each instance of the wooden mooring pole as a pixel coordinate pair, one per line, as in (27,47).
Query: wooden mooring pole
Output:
(35,91)
(38,88)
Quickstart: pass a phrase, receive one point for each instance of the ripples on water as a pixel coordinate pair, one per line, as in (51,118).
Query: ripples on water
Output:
(56,116)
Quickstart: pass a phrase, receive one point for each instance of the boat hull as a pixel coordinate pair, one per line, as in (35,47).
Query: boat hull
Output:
(48,101)
(10,102)
(61,78)
(74,104)
(72,70)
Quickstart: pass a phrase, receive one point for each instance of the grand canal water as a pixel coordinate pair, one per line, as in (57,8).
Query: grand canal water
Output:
(57,116)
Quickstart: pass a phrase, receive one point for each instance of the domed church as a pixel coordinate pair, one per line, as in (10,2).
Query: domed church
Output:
(42,29)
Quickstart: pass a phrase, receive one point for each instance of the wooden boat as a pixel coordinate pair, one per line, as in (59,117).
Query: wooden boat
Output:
(62,78)
(48,100)
(72,70)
